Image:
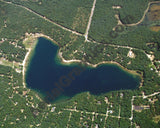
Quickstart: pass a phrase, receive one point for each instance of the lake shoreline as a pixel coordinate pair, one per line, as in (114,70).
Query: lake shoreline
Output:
(68,62)
(62,61)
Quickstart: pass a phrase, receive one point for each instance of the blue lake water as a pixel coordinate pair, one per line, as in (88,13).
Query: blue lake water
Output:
(44,71)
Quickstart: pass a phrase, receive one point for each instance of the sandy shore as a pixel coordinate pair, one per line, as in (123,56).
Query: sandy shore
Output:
(66,61)
(95,65)
(24,66)
(63,61)
(34,38)
(100,63)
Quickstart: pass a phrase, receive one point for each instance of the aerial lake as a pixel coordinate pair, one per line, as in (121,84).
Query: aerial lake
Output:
(44,70)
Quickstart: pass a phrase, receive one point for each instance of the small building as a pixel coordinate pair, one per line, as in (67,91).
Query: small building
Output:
(140,108)
(110,111)
(53,109)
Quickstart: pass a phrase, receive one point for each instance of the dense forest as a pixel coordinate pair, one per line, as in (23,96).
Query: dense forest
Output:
(21,106)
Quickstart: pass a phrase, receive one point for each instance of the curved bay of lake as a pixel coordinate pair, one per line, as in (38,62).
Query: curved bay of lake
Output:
(44,70)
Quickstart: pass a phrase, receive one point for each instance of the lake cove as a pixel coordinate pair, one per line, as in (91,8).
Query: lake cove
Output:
(44,70)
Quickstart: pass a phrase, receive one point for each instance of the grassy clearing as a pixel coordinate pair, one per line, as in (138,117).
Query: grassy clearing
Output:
(63,12)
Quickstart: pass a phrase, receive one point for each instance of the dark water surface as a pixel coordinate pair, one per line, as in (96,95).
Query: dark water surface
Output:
(44,70)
